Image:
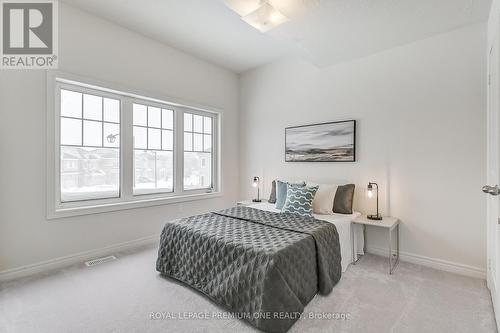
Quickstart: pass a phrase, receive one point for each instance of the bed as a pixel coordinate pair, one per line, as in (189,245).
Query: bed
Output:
(262,266)
(343,224)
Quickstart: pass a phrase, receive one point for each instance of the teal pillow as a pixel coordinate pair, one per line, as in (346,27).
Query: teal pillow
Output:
(281,189)
(299,200)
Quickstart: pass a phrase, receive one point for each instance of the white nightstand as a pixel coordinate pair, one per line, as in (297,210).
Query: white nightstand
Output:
(389,223)
(249,202)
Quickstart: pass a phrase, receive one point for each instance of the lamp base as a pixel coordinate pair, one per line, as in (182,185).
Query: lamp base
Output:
(374,217)
(256,200)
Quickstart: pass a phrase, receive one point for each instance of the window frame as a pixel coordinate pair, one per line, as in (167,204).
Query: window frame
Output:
(88,91)
(56,81)
(174,147)
(213,153)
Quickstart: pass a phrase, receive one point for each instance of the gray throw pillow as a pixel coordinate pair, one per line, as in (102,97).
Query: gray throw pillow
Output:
(272,197)
(342,204)
(299,200)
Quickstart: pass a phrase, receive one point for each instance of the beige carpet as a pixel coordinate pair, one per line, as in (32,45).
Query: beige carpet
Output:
(121,296)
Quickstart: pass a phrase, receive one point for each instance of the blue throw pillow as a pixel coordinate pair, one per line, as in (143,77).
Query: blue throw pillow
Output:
(299,200)
(281,188)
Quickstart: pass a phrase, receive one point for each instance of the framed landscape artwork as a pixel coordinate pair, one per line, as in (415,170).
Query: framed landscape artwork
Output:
(326,142)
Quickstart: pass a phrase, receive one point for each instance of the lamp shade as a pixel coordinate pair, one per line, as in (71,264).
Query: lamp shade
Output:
(370,194)
(255,181)
(369,191)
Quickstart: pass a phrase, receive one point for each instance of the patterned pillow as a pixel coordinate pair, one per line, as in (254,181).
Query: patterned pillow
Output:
(299,200)
(281,188)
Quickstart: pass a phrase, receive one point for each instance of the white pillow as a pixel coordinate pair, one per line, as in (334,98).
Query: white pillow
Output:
(323,200)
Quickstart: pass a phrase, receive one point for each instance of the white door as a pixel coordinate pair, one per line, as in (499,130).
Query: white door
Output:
(491,189)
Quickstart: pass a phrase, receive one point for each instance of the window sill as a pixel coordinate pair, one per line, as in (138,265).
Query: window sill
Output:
(124,205)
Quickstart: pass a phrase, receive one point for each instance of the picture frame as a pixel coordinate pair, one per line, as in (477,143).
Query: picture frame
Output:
(321,142)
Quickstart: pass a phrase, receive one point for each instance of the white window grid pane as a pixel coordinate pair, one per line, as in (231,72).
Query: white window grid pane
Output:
(92,107)
(154,139)
(71,131)
(111,134)
(140,137)
(207,143)
(167,140)
(154,117)
(140,114)
(71,103)
(197,123)
(198,142)
(167,119)
(207,125)
(111,110)
(188,141)
(188,122)
(92,133)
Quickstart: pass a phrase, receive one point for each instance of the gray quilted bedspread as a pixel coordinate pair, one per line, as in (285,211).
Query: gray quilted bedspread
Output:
(263,267)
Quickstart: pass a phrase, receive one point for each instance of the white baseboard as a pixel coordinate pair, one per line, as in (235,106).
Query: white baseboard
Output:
(494,299)
(18,272)
(443,265)
(60,262)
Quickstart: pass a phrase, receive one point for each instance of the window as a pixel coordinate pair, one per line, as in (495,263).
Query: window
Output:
(153,149)
(115,148)
(90,161)
(197,151)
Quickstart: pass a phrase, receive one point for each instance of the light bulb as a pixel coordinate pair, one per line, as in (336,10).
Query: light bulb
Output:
(369,190)
(255,181)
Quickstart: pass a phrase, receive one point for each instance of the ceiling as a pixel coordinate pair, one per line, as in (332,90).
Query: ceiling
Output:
(324,32)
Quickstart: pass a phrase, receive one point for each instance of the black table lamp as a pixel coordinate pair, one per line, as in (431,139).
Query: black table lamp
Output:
(256,181)
(370,194)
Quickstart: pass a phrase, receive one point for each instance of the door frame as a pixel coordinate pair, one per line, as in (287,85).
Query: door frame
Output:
(492,161)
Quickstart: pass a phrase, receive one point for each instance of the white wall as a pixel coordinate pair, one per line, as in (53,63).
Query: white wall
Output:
(100,50)
(493,19)
(421,136)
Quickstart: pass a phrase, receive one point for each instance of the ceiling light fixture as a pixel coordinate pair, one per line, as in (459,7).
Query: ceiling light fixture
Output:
(265,18)
(259,14)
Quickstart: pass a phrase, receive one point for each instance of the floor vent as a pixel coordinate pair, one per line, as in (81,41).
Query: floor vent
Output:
(98,261)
